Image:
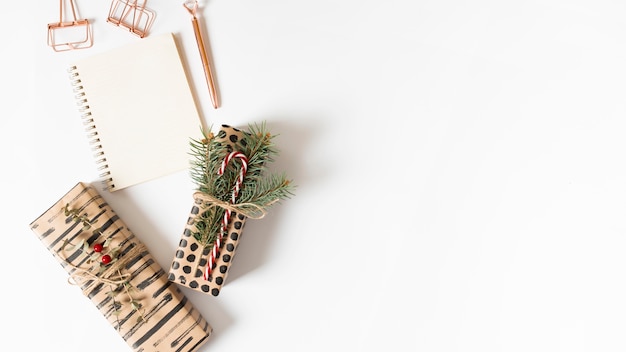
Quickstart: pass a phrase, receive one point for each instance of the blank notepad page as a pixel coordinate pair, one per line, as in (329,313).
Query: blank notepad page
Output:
(139,110)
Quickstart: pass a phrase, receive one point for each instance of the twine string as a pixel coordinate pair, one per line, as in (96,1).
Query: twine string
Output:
(112,275)
(249,210)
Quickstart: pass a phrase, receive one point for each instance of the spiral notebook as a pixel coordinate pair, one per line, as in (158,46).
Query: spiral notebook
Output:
(136,103)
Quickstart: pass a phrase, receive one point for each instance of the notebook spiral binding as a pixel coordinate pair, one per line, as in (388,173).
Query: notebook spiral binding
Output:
(90,129)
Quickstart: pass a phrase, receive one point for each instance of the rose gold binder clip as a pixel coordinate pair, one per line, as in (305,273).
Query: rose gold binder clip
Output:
(69,35)
(131,15)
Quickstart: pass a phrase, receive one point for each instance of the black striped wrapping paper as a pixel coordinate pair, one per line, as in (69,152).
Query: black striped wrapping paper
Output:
(171,322)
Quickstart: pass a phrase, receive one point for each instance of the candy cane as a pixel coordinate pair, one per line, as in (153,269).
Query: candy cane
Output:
(227,212)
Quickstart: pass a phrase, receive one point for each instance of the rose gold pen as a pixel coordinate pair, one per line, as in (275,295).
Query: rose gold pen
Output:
(192,6)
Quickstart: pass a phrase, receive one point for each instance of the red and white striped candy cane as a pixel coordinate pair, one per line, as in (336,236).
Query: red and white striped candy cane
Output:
(227,213)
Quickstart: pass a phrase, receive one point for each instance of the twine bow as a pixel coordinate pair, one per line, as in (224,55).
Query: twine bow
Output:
(112,275)
(249,210)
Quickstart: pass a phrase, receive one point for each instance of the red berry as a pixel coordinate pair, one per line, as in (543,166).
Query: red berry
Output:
(106,259)
(98,247)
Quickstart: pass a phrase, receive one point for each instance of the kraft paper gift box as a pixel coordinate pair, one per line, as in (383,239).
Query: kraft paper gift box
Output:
(190,258)
(242,190)
(117,273)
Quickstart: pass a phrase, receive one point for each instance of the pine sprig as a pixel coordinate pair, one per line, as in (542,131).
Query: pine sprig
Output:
(208,225)
(206,158)
(207,155)
(259,189)
(257,145)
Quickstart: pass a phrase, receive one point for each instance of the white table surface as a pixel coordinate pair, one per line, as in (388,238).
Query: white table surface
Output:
(460,173)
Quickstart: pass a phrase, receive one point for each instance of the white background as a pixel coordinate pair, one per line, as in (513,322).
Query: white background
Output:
(460,173)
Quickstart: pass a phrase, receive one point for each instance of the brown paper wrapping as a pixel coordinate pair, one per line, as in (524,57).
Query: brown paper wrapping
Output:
(169,323)
(190,259)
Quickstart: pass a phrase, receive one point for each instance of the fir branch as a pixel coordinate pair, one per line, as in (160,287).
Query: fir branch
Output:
(269,190)
(206,157)
(208,225)
(258,187)
(258,146)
